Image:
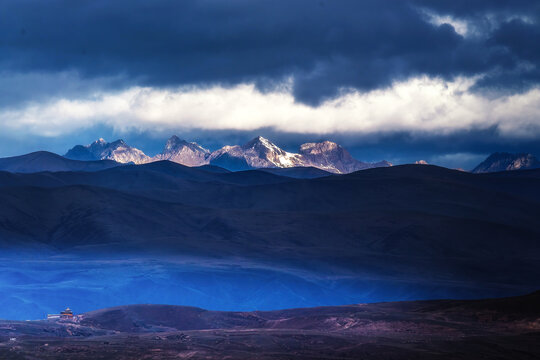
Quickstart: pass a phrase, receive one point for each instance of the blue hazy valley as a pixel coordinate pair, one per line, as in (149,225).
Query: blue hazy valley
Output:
(253,240)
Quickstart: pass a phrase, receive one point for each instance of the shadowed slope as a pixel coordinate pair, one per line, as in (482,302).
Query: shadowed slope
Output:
(46,161)
(386,233)
(299,172)
(151,318)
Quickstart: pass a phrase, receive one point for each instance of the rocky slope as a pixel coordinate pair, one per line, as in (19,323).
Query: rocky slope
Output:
(506,161)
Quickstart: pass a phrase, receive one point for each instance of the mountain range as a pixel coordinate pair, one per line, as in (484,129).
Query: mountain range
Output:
(313,159)
(257,153)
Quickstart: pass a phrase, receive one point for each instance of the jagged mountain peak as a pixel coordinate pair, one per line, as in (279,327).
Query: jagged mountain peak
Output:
(261,142)
(99,143)
(256,153)
(502,161)
(329,156)
(100,149)
(264,146)
(183,152)
(324,148)
(261,139)
(175,142)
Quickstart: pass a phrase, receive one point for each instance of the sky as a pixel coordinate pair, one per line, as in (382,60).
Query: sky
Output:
(447,81)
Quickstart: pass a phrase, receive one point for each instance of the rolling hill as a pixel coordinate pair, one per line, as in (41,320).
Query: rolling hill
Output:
(502,328)
(414,231)
(46,161)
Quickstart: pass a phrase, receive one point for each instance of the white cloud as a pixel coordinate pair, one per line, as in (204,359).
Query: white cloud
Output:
(477,27)
(421,105)
(460,26)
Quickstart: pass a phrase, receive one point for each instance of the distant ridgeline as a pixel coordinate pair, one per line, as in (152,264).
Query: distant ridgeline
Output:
(505,162)
(323,158)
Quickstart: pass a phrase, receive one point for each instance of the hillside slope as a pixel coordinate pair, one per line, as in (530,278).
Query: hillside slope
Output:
(415,231)
(46,161)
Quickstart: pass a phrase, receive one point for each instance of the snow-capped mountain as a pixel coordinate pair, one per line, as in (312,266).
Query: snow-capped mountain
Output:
(257,153)
(506,161)
(183,152)
(332,157)
(261,153)
(100,149)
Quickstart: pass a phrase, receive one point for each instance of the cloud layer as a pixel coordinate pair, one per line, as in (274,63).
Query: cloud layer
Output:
(417,106)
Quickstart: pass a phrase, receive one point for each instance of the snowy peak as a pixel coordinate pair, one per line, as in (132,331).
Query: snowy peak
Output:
(264,149)
(506,161)
(101,145)
(273,154)
(263,145)
(257,153)
(100,149)
(329,156)
(121,152)
(183,152)
(174,143)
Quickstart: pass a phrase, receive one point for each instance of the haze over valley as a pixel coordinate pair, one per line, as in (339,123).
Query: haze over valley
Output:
(89,232)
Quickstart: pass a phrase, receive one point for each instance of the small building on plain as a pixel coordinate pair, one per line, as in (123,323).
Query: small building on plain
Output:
(64,315)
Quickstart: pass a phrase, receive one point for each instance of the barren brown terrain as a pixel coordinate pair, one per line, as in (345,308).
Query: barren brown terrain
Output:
(506,328)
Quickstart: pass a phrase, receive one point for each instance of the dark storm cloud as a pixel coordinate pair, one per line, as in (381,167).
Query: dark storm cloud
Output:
(325,45)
